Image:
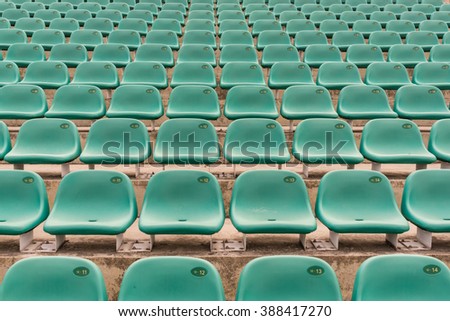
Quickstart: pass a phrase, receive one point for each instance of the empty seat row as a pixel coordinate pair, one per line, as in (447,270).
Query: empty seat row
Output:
(263,201)
(270,278)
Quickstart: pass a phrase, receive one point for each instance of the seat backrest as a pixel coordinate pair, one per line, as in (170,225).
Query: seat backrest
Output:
(22,102)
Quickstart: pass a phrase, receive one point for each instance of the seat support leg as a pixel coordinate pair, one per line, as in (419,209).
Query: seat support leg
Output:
(152,122)
(119,241)
(25,240)
(302,240)
(392,239)
(91,166)
(334,239)
(424,237)
(138,170)
(305,170)
(19,167)
(291,126)
(65,169)
(421,166)
(351,166)
(376,167)
(59,241)
(152,241)
(234,171)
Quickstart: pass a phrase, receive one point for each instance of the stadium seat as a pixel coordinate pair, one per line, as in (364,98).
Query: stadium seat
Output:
(5,140)
(155,52)
(200,25)
(337,75)
(440,53)
(128,38)
(432,73)
(288,278)
(424,39)
(339,8)
(383,17)
(172,14)
(420,102)
(241,73)
(258,7)
(250,102)
(45,141)
(136,101)
(29,25)
(407,55)
(69,54)
(4,23)
(344,39)
(350,17)
(79,15)
(47,15)
(435,26)
(385,39)
(65,25)
(88,38)
(285,74)
(193,101)
(23,54)
(271,201)
(413,16)
(199,208)
(236,37)
(382,3)
(61,7)
(15,14)
(324,132)
(441,15)
(22,102)
(306,38)
(235,14)
(359,201)
(77,102)
(9,73)
(364,102)
(100,74)
(279,53)
(46,74)
(257,132)
(114,16)
(270,37)
(387,75)
(367,9)
(173,278)
(329,27)
(137,20)
(163,37)
(232,25)
(287,16)
(60,278)
(7,5)
(145,73)
(262,25)
(394,141)
(150,5)
(295,26)
(117,54)
(193,73)
(317,17)
(101,25)
(425,193)
(92,203)
(438,142)
(363,55)
(427,9)
(366,27)
(48,38)
(167,25)
(308,8)
(402,27)
(203,150)
(316,55)
(238,53)
(11,36)
(174,6)
(92,7)
(198,37)
(402,278)
(198,54)
(201,7)
(201,15)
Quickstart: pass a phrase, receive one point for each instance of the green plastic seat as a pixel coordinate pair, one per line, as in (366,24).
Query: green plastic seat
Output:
(23,54)
(259,6)
(193,73)
(68,53)
(47,15)
(77,102)
(288,278)
(193,101)
(382,3)
(307,101)
(427,9)
(350,17)
(21,218)
(172,14)
(441,15)
(137,20)
(271,201)
(436,26)
(306,38)
(120,133)
(295,26)
(413,16)
(367,9)
(88,38)
(408,3)
(364,102)
(260,15)
(117,54)
(15,14)
(100,74)
(407,55)
(235,14)
(366,27)
(65,25)
(45,141)
(200,25)
(402,278)
(11,36)
(309,8)
(4,23)
(241,73)
(279,53)
(396,9)
(155,52)
(287,12)
(394,141)
(61,7)
(102,3)
(163,37)
(364,55)
(440,53)
(324,132)
(115,16)
(425,193)
(263,25)
(238,53)
(424,39)
(48,38)
(232,25)
(186,141)
(174,6)
(255,132)
(438,143)
(60,278)
(145,73)
(383,17)
(344,39)
(329,27)
(236,37)
(195,6)
(385,40)
(123,8)
(387,75)
(201,14)
(337,75)
(46,74)
(7,5)
(9,73)
(199,37)
(232,6)
(197,53)
(316,55)
(171,279)
(285,74)
(128,38)
(317,17)
(92,7)
(79,15)
(148,5)
(402,27)
(167,25)
(432,73)
(250,102)
(5,140)
(22,102)
(359,201)
(101,25)
(29,25)
(92,202)
(136,101)
(267,38)
(199,208)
